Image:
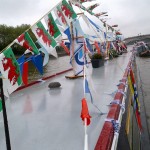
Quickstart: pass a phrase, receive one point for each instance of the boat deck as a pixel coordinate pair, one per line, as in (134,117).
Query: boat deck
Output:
(44,119)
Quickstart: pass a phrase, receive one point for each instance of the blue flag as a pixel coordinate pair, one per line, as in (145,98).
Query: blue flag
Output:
(87,90)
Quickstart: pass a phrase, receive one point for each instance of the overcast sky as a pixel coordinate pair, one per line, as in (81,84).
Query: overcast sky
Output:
(132,16)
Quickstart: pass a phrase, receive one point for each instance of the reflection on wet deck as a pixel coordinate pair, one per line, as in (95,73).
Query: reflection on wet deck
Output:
(44,119)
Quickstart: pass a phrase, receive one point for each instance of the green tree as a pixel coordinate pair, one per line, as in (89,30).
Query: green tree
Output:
(9,33)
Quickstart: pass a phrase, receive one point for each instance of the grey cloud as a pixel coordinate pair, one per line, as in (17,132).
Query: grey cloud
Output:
(132,16)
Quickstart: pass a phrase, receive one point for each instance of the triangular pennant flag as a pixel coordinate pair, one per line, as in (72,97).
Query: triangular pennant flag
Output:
(59,15)
(67,32)
(44,38)
(10,71)
(68,12)
(85,112)
(87,90)
(46,55)
(38,62)
(52,26)
(25,73)
(26,41)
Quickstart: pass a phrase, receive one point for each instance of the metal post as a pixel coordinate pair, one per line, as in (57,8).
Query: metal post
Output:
(5,117)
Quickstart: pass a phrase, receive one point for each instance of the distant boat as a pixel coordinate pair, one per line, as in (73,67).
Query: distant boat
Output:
(142,49)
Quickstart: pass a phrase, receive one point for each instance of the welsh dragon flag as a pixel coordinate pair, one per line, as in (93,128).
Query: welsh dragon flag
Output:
(26,41)
(52,27)
(44,38)
(9,69)
(68,11)
(59,15)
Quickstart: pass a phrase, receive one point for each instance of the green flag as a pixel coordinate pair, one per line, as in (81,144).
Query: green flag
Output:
(60,16)
(44,38)
(68,12)
(10,70)
(26,41)
(52,27)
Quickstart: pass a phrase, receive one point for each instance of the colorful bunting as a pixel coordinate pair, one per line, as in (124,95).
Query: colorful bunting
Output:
(10,71)
(52,26)
(26,41)
(68,12)
(44,38)
(67,32)
(59,15)
(38,62)
(82,7)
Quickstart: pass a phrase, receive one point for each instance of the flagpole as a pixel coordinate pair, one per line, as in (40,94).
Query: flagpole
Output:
(86,135)
(7,137)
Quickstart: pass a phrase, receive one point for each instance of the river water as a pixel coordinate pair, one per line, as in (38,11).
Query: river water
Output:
(54,66)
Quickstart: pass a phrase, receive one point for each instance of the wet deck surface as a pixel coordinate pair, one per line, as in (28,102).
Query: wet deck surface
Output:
(44,119)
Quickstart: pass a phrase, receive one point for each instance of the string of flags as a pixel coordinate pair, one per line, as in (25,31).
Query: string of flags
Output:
(48,39)
(15,71)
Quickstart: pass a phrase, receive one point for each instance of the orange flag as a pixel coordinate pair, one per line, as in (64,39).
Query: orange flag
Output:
(85,112)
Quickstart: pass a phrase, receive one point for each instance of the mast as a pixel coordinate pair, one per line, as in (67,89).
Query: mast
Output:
(72,48)
(7,137)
